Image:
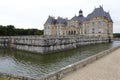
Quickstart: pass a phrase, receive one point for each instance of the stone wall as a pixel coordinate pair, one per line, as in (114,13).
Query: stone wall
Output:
(45,44)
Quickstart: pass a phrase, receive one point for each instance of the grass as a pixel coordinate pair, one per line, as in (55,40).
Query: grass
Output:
(9,78)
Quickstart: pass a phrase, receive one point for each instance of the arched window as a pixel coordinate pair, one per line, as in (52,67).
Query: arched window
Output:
(74,32)
(69,33)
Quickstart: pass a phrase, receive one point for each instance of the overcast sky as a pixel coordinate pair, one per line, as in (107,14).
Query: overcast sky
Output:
(34,13)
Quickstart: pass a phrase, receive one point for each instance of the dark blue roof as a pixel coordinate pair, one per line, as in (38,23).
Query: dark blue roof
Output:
(108,17)
(99,12)
(50,20)
(78,18)
(60,20)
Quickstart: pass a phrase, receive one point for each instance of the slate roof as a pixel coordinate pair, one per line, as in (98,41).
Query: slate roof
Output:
(78,18)
(99,12)
(60,20)
(50,20)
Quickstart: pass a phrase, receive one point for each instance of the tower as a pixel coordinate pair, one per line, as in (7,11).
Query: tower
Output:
(80,13)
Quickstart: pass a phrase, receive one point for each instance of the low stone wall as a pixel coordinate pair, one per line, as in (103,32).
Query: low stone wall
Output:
(45,44)
(58,75)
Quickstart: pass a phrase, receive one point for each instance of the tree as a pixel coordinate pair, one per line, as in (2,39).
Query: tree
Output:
(10,30)
(116,35)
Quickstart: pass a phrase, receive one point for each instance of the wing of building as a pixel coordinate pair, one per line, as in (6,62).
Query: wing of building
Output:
(98,23)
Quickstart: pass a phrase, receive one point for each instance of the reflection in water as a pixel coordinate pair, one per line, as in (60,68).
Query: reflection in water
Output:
(35,65)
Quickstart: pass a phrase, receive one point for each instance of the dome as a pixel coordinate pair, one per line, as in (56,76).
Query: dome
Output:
(80,11)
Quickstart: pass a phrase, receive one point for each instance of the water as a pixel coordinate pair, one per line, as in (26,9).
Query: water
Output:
(35,65)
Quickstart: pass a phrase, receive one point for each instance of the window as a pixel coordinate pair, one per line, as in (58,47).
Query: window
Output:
(99,32)
(85,32)
(93,30)
(69,32)
(45,27)
(99,23)
(93,23)
(74,32)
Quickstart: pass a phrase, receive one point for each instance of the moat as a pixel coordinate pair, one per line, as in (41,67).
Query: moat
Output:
(35,65)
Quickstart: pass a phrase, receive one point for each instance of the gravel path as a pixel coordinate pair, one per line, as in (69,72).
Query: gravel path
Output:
(106,68)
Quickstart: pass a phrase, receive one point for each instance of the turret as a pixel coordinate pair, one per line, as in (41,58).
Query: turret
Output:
(80,13)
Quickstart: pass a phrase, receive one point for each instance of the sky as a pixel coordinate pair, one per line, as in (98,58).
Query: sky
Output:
(34,13)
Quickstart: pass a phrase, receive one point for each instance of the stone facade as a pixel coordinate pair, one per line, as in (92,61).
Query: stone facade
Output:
(98,24)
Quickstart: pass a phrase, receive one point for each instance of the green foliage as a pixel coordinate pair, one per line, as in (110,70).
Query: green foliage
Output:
(116,35)
(10,30)
(9,78)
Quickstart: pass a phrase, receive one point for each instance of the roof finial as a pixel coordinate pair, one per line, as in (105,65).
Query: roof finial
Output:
(102,5)
(94,6)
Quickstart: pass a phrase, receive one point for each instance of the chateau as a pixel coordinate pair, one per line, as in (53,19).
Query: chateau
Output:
(62,34)
(96,24)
